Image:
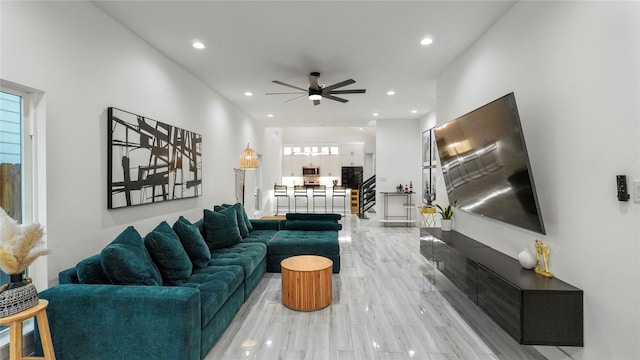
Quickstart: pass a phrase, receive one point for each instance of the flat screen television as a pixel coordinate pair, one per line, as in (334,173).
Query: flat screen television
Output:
(485,165)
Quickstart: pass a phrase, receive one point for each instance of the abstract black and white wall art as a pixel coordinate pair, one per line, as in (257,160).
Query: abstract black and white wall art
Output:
(150,161)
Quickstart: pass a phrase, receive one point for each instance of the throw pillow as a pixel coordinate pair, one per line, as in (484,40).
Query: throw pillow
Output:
(242,226)
(90,271)
(127,262)
(193,242)
(167,252)
(222,228)
(245,217)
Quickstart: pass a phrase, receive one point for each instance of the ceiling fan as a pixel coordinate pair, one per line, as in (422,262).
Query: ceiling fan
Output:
(318,91)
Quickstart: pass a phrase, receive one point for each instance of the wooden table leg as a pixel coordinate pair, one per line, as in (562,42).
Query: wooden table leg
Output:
(45,335)
(15,338)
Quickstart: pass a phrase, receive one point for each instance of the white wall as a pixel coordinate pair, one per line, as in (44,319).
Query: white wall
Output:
(85,62)
(398,150)
(575,71)
(272,169)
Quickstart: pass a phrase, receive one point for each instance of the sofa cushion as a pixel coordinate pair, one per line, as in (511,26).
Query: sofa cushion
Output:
(216,284)
(248,255)
(193,242)
(126,261)
(240,215)
(167,252)
(262,236)
(90,271)
(222,228)
(315,217)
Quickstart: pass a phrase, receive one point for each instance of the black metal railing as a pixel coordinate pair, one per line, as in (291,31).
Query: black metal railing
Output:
(367,199)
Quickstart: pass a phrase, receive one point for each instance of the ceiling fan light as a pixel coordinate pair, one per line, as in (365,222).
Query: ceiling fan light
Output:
(315,97)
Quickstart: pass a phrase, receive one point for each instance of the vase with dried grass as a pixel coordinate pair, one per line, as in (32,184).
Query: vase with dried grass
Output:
(20,245)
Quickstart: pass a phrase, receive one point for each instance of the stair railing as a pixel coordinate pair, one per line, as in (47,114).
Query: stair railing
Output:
(367,198)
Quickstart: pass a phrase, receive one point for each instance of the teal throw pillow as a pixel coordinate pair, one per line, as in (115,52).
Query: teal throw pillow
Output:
(245,217)
(222,228)
(90,271)
(239,209)
(167,252)
(193,242)
(127,262)
(242,213)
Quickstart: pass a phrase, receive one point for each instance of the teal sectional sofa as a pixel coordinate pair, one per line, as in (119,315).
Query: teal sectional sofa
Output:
(172,293)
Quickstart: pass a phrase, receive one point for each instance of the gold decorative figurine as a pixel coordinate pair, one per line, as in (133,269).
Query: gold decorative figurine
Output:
(542,253)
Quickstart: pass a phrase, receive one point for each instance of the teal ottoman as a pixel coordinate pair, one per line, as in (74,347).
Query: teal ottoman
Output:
(287,243)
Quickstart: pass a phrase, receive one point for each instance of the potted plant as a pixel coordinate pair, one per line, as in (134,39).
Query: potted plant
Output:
(447,216)
(20,245)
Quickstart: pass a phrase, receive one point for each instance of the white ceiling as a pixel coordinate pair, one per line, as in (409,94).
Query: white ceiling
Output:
(376,43)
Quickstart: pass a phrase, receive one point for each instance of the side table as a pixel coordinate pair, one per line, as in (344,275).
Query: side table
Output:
(15,331)
(306,282)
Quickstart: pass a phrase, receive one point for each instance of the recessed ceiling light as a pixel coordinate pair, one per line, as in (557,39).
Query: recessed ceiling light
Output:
(414,111)
(375,114)
(248,93)
(270,115)
(426,41)
(198,45)
(391,92)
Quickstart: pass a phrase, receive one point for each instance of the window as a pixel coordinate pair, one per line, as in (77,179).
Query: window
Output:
(22,157)
(10,158)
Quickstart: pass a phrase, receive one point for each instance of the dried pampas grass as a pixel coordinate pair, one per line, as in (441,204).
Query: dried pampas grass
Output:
(20,245)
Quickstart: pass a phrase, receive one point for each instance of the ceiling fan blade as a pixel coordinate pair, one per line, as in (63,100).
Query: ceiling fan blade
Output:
(297,97)
(354,91)
(285,93)
(313,81)
(340,84)
(334,98)
(316,102)
(291,86)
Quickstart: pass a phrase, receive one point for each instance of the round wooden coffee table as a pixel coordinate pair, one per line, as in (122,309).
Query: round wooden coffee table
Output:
(306,282)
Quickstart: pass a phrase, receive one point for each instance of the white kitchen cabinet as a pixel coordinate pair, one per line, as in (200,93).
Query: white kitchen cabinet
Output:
(352,155)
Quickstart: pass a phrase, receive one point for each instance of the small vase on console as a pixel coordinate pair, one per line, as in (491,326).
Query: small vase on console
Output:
(527,259)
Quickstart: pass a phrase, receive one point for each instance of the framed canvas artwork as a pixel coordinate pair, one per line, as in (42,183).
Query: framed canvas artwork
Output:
(150,161)
(426,148)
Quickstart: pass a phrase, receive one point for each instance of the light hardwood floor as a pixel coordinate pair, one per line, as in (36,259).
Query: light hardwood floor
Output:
(385,306)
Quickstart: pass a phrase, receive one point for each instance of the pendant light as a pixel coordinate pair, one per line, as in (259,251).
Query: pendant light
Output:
(248,159)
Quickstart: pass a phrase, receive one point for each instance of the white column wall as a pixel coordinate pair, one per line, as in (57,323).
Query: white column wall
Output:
(398,150)
(85,62)
(575,71)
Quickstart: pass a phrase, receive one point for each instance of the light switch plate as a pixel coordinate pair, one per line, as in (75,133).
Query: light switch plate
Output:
(636,191)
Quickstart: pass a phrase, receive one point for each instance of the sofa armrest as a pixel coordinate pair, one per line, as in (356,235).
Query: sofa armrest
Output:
(123,322)
(313,217)
(68,276)
(259,224)
(309,225)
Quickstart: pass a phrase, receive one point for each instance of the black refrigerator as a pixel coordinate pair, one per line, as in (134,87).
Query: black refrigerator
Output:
(352,176)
